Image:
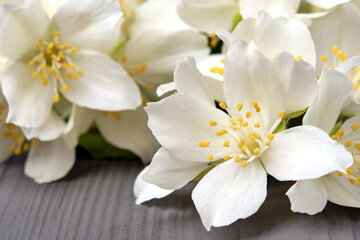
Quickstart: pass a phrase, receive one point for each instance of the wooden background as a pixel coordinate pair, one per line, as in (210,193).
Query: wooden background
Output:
(95,201)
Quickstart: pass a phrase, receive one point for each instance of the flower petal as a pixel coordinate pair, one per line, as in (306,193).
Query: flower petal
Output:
(161,51)
(106,88)
(21,27)
(29,101)
(170,173)
(334,89)
(249,76)
(308,196)
(87,24)
(326,4)
(341,191)
(304,152)
(189,80)
(208,15)
(181,121)
(51,130)
(49,161)
(299,81)
(79,122)
(128,130)
(144,191)
(229,192)
(276,8)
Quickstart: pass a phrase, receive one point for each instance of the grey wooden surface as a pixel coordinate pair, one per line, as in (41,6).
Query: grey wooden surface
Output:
(95,201)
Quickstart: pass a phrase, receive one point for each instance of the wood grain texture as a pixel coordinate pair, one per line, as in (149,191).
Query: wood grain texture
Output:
(95,201)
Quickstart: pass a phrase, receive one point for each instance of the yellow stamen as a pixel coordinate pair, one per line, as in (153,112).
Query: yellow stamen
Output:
(355,127)
(31,63)
(18,151)
(124,59)
(257,125)
(226,144)
(210,157)
(348,143)
(282,114)
(81,73)
(222,105)
(256,151)
(56,98)
(298,58)
(334,49)
(270,136)
(221,132)
(35,74)
(268,143)
(252,137)
(352,181)
(340,173)
(56,34)
(212,123)
(255,104)
(243,163)
(12,148)
(239,107)
(246,124)
(243,148)
(33,142)
(204,144)
(65,88)
(74,49)
(226,157)
(334,137)
(150,87)
(323,59)
(350,171)
(26,147)
(237,159)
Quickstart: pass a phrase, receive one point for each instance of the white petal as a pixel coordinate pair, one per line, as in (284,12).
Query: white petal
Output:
(29,101)
(87,24)
(156,14)
(170,173)
(341,191)
(304,152)
(208,15)
(49,161)
(334,89)
(189,80)
(51,130)
(165,88)
(144,191)
(249,76)
(307,196)
(345,66)
(129,132)
(338,28)
(326,4)
(108,87)
(181,121)
(160,51)
(276,8)
(21,27)
(229,192)
(79,122)
(347,127)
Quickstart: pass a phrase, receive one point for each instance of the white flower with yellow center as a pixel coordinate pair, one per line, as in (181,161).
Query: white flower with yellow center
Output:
(60,57)
(46,161)
(238,145)
(342,187)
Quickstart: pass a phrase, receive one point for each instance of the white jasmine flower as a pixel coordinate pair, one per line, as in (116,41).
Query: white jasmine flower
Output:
(342,187)
(47,160)
(240,146)
(59,57)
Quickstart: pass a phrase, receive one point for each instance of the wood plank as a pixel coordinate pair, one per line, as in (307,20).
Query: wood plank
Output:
(95,201)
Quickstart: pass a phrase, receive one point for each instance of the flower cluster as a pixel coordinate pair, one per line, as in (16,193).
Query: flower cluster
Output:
(279,95)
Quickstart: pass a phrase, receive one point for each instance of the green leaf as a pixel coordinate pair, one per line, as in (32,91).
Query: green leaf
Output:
(295,114)
(236,19)
(100,148)
(281,127)
(336,128)
(202,174)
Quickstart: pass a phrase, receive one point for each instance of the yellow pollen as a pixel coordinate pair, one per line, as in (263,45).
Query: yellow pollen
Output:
(31,63)
(252,137)
(45,82)
(350,171)
(357,146)
(74,49)
(340,133)
(270,136)
(21,140)
(204,144)
(222,105)
(248,114)
(237,159)
(51,45)
(43,66)
(257,125)
(323,59)
(33,142)
(18,151)
(210,157)
(40,40)
(223,61)
(257,109)
(26,147)
(298,58)
(352,181)
(72,65)
(221,132)
(12,148)
(355,127)
(56,98)
(334,137)
(74,76)
(340,173)
(243,163)
(38,47)
(56,34)
(243,148)
(348,143)
(35,74)
(81,73)
(65,66)
(334,49)
(150,87)
(255,104)
(48,51)
(240,120)
(226,144)
(65,88)
(212,123)
(256,151)
(226,157)
(268,143)
(49,71)
(61,56)
(246,124)
(239,107)
(58,76)
(282,114)
(65,45)
(58,45)
(42,76)
(124,59)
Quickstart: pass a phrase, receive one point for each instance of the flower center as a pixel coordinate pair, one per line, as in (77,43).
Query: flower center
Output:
(53,63)
(352,144)
(19,142)
(338,57)
(248,137)
(116,115)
